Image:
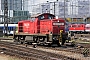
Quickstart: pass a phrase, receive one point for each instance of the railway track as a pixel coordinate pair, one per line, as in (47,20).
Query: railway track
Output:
(82,35)
(22,52)
(30,53)
(39,53)
(69,52)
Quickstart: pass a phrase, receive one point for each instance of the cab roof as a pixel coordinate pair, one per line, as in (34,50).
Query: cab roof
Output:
(37,15)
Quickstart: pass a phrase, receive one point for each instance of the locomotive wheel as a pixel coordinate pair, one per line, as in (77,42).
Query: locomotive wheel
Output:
(35,39)
(21,42)
(41,41)
(58,44)
(34,45)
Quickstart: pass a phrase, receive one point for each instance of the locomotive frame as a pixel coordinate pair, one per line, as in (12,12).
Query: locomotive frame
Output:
(42,39)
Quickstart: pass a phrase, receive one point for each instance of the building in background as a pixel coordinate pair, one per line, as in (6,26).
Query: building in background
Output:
(19,15)
(12,4)
(65,8)
(15,7)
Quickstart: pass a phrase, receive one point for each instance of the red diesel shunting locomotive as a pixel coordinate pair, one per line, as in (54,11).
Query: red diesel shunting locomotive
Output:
(45,29)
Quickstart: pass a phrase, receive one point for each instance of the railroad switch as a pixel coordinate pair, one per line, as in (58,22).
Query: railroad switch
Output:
(85,52)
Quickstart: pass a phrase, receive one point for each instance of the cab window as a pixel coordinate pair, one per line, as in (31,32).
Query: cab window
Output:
(50,17)
(41,17)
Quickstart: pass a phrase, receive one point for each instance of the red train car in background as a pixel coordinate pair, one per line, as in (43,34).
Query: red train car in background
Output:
(77,28)
(80,27)
(45,29)
(87,28)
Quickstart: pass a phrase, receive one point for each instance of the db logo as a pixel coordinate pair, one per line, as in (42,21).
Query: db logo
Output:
(26,25)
